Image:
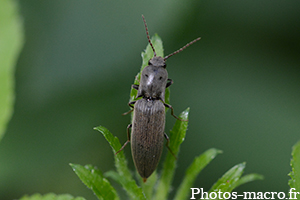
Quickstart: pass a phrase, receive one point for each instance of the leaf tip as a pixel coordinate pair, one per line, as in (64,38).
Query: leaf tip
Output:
(185,114)
(97,128)
(260,177)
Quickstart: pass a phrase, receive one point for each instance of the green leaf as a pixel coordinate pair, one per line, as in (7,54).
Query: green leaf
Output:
(232,179)
(146,56)
(191,173)
(124,175)
(177,135)
(228,181)
(133,192)
(11,42)
(294,182)
(113,175)
(248,178)
(51,196)
(120,161)
(93,179)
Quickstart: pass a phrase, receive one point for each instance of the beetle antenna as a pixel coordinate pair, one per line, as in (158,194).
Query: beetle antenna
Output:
(182,48)
(147,32)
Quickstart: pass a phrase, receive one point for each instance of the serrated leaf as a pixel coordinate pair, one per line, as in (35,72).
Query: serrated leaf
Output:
(11,42)
(177,135)
(294,182)
(232,179)
(191,173)
(51,196)
(120,160)
(125,177)
(229,180)
(129,186)
(94,180)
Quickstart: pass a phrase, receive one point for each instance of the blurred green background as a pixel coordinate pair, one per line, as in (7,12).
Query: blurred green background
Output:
(241,81)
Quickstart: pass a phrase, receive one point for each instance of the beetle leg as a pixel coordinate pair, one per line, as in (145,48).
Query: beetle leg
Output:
(169,83)
(131,105)
(172,112)
(128,139)
(167,144)
(134,86)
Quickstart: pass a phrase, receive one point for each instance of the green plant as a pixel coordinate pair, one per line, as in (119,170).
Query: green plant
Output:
(51,196)
(294,182)
(155,187)
(11,43)
(100,185)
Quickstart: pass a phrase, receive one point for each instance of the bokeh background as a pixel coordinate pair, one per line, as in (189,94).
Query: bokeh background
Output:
(241,81)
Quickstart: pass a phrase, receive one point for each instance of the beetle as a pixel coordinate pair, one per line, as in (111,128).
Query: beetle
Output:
(148,123)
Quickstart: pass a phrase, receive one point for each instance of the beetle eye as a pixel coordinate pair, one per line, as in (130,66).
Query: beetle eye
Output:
(149,63)
(160,78)
(164,66)
(146,75)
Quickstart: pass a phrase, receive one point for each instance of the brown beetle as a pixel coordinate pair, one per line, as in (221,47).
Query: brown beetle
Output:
(148,123)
